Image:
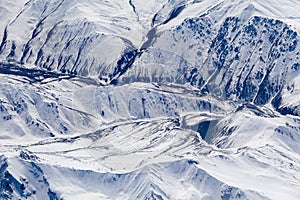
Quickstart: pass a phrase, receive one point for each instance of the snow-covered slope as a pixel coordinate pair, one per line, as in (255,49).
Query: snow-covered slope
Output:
(178,99)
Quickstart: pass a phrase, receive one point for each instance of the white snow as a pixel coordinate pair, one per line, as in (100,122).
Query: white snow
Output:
(78,139)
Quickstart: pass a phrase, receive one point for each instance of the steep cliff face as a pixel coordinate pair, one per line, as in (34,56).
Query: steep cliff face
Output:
(250,57)
(248,61)
(179,99)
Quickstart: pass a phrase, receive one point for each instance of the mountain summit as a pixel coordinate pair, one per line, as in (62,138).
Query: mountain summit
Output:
(177,99)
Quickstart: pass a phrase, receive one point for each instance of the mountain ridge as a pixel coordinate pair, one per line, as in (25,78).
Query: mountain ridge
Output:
(136,100)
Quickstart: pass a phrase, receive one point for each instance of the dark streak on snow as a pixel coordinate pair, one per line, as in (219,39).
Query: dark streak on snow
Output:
(175,12)
(4,40)
(34,75)
(132,5)
(38,28)
(151,35)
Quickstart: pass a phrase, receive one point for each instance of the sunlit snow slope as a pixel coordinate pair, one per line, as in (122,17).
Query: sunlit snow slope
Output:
(157,99)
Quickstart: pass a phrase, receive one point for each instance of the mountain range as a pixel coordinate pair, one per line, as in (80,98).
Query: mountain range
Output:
(157,99)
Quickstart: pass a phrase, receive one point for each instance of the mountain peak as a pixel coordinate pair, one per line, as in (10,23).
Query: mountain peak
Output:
(158,99)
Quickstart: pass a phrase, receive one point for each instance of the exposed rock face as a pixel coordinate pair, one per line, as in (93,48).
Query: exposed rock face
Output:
(149,99)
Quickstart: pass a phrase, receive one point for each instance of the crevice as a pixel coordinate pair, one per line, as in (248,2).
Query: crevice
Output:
(123,64)
(174,13)
(21,11)
(133,6)
(84,42)
(49,35)
(37,30)
(4,40)
(134,9)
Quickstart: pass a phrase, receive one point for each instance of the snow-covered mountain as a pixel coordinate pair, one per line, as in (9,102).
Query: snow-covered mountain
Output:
(177,99)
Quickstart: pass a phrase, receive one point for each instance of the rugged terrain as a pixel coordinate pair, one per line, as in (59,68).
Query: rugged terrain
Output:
(153,99)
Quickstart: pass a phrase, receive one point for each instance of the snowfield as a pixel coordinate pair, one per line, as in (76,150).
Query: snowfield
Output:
(179,99)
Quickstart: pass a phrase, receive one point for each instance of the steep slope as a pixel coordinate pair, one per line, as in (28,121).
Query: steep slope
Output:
(247,58)
(179,99)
